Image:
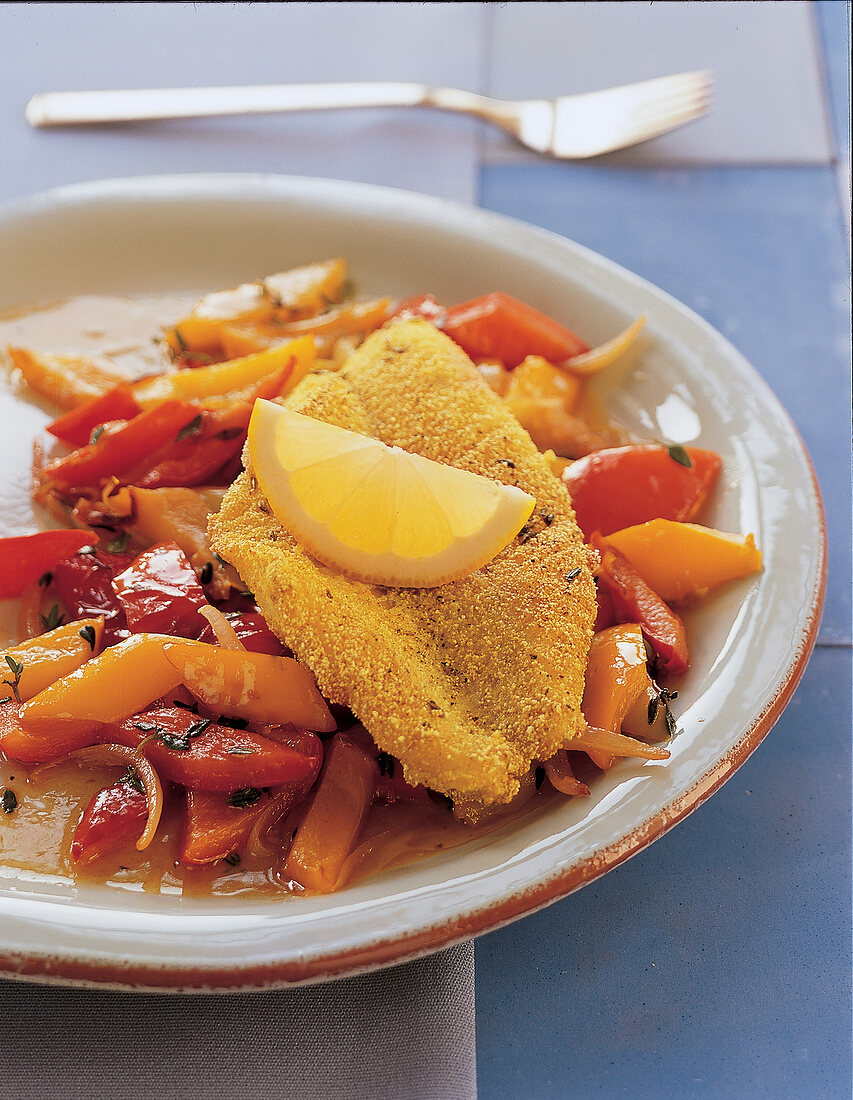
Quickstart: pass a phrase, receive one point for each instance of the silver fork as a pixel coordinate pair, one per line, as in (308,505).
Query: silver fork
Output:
(571,127)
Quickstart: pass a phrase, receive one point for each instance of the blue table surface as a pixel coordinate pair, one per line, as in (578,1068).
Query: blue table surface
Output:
(716,962)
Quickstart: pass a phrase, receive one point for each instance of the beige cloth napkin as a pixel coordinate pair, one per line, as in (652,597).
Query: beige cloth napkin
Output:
(406,1033)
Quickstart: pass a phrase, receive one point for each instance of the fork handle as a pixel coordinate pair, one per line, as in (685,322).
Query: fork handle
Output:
(79,108)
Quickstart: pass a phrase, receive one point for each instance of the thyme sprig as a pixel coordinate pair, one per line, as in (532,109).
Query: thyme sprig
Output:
(17,669)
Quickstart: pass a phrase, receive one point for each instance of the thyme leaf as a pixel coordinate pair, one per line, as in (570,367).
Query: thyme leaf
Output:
(9,801)
(679,455)
(52,619)
(88,635)
(243,797)
(17,668)
(385,763)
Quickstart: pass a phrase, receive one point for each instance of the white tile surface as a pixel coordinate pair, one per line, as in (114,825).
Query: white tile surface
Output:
(768,105)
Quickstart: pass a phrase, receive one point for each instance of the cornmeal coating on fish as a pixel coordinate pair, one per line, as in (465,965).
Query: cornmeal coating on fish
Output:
(469,683)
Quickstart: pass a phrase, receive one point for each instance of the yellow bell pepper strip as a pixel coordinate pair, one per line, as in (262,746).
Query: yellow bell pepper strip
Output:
(307,290)
(299,292)
(66,380)
(682,561)
(328,833)
(226,382)
(48,657)
(24,559)
(259,687)
(616,676)
(536,378)
(123,680)
(351,319)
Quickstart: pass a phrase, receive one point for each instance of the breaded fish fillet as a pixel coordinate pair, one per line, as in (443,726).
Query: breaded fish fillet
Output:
(467,683)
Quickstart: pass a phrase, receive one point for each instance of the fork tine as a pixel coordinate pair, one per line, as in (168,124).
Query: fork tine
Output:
(600,122)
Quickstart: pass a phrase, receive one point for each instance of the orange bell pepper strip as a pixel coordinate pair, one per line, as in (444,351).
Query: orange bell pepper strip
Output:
(498,326)
(262,688)
(328,833)
(633,601)
(621,486)
(54,740)
(45,658)
(682,561)
(75,427)
(66,380)
(122,447)
(215,827)
(616,675)
(24,559)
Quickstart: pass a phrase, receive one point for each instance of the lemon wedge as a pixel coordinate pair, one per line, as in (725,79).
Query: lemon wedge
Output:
(377,513)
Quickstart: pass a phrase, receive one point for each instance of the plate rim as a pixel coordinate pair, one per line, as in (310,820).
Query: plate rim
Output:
(142,977)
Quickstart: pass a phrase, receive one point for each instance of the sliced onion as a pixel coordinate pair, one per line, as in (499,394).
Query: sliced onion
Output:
(616,744)
(121,754)
(591,362)
(225,633)
(561,777)
(273,812)
(29,612)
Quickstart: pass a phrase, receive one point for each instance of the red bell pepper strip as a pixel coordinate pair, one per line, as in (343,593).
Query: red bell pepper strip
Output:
(622,486)
(76,426)
(210,756)
(123,446)
(83,583)
(24,559)
(498,326)
(634,602)
(252,630)
(115,816)
(211,440)
(160,593)
(217,823)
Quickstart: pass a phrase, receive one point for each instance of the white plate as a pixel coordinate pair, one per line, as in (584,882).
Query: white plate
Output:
(750,643)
